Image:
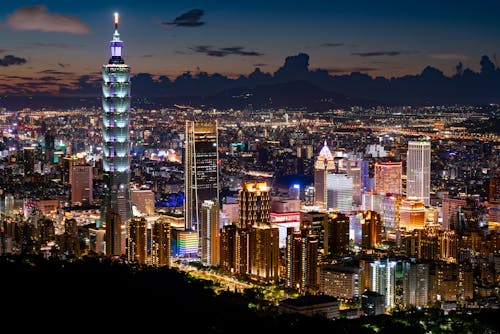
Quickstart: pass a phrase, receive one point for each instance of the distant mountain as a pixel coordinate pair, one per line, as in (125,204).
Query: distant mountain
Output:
(294,94)
(292,85)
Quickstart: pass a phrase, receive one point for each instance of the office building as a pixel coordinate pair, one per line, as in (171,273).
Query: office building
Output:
(411,214)
(81,185)
(336,235)
(323,166)
(201,172)
(254,204)
(388,177)
(418,171)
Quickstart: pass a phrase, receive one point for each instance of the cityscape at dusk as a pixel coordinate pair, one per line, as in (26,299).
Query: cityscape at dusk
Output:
(263,166)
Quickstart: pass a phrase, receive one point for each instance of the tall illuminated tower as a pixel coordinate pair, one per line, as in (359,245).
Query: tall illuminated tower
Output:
(116,135)
(418,171)
(201,172)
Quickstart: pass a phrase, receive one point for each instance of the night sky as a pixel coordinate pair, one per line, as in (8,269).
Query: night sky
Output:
(63,40)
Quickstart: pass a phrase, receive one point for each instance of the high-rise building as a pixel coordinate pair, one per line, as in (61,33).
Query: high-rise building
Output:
(382,279)
(201,172)
(81,185)
(323,166)
(418,170)
(371,229)
(264,253)
(160,243)
(228,243)
(336,234)
(115,234)
(29,160)
(411,214)
(415,284)
(209,233)
(136,240)
(116,134)
(388,177)
(341,281)
(340,192)
(254,203)
(302,260)
(450,212)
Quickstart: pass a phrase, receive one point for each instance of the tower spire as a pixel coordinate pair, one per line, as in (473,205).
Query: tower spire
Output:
(116,20)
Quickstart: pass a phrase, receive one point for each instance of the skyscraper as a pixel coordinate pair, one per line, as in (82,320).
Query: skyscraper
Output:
(116,135)
(418,170)
(137,240)
(209,233)
(81,185)
(323,166)
(254,203)
(388,177)
(201,172)
(160,243)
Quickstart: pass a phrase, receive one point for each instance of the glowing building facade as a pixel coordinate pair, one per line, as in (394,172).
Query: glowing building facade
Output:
(323,166)
(418,170)
(388,177)
(201,173)
(116,134)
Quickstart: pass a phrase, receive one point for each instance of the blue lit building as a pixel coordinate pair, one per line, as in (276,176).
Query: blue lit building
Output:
(116,134)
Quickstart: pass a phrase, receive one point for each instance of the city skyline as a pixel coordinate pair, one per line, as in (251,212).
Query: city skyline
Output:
(52,47)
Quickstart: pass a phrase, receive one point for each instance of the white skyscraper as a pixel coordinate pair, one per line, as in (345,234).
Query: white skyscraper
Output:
(418,170)
(339,192)
(323,166)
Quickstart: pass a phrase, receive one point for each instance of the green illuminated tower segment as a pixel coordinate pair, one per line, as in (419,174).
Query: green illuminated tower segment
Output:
(116,134)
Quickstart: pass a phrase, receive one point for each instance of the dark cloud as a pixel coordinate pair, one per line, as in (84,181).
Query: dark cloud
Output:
(147,56)
(39,19)
(63,65)
(188,19)
(222,52)
(379,53)
(48,78)
(331,45)
(56,45)
(9,60)
(448,56)
(54,72)
(336,70)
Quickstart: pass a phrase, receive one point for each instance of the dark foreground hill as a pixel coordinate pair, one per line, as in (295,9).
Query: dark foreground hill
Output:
(99,295)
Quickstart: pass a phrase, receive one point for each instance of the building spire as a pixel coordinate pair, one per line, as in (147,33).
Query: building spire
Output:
(116,20)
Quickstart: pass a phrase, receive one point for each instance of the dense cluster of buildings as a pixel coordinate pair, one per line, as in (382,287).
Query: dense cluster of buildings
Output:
(380,221)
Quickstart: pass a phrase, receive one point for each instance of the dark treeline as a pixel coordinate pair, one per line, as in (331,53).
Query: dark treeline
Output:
(97,294)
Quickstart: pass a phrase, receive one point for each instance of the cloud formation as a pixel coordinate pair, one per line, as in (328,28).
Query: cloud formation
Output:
(336,70)
(448,56)
(331,45)
(222,52)
(379,53)
(39,19)
(188,19)
(10,60)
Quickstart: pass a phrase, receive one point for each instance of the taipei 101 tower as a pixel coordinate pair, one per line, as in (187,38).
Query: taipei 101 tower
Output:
(116,139)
